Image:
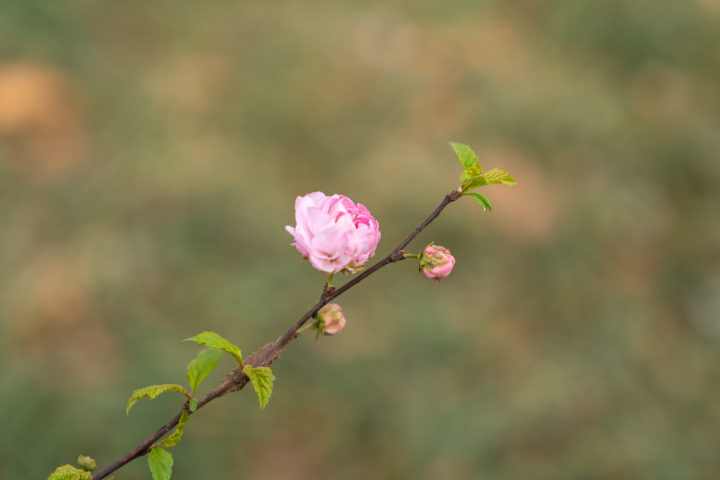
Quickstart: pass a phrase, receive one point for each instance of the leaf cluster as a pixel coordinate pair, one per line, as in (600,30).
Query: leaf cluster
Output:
(160,461)
(473,176)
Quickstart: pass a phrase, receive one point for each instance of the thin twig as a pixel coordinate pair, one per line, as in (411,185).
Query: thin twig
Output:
(236,379)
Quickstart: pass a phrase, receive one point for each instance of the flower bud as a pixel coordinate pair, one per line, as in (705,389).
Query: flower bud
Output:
(436,262)
(86,463)
(330,319)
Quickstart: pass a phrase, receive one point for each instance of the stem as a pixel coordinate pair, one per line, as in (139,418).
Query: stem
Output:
(237,379)
(305,327)
(409,255)
(329,282)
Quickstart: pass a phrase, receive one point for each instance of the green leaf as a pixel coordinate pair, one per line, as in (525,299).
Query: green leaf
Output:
(160,463)
(262,379)
(474,182)
(499,176)
(152,392)
(466,156)
(201,367)
(173,439)
(481,200)
(193,404)
(68,472)
(471,174)
(212,339)
(492,176)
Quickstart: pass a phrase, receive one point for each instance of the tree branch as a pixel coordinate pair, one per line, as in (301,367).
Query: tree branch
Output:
(236,379)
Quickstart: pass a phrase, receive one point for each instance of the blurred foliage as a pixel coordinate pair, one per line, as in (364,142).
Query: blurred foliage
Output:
(150,154)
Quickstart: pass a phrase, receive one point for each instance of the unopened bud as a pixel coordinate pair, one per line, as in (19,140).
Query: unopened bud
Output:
(86,463)
(436,262)
(330,319)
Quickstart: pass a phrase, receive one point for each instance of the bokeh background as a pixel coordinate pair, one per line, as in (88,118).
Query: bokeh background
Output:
(150,154)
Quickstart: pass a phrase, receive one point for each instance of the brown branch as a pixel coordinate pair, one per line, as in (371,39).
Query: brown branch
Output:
(236,379)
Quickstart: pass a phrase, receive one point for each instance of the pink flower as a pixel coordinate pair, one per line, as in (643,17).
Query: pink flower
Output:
(330,319)
(334,233)
(436,262)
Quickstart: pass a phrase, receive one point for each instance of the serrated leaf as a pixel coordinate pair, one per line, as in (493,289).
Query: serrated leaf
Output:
(212,339)
(160,463)
(173,439)
(152,392)
(471,173)
(466,156)
(201,367)
(481,200)
(262,379)
(474,182)
(491,176)
(193,404)
(68,472)
(499,176)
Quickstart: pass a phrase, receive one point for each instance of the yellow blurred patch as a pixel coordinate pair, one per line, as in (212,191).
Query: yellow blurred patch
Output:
(42,126)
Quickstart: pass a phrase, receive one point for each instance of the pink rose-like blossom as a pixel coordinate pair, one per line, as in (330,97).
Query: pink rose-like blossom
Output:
(330,319)
(436,262)
(334,233)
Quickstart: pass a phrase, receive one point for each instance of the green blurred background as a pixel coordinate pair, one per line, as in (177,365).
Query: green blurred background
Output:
(150,155)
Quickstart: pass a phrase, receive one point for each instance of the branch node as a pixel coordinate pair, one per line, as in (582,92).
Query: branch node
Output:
(397,257)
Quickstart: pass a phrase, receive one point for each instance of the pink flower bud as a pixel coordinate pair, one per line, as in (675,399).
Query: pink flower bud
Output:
(330,319)
(334,233)
(436,262)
